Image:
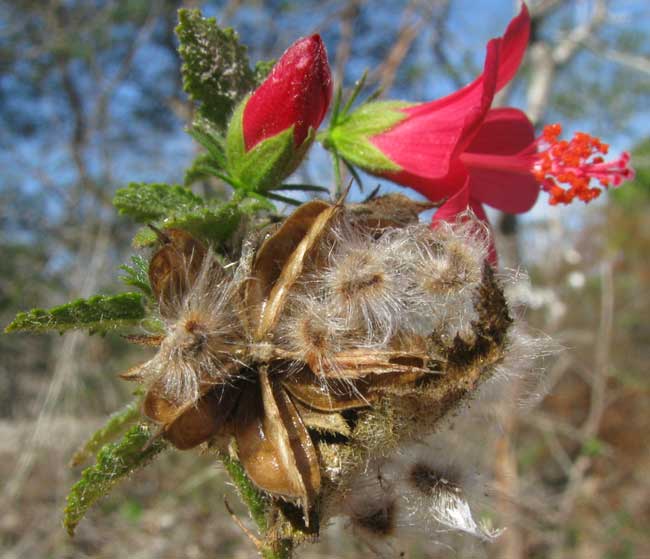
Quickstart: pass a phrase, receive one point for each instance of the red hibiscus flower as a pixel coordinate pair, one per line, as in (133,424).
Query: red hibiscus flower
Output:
(429,143)
(459,150)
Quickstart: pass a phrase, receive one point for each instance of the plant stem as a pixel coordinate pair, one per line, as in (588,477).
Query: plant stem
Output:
(258,505)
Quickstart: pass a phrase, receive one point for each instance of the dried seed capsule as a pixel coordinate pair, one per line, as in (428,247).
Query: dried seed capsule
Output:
(323,337)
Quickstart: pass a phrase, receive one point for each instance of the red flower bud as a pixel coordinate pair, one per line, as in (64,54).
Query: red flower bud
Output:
(296,93)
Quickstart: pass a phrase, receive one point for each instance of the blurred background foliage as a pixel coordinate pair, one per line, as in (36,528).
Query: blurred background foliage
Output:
(91,98)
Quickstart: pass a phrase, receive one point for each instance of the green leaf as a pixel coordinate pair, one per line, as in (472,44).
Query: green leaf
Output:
(262,70)
(99,314)
(215,67)
(202,168)
(144,237)
(137,274)
(214,223)
(115,462)
(213,143)
(131,511)
(115,425)
(593,447)
(147,202)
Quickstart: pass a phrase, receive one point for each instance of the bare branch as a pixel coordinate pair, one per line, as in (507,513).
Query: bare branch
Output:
(79,139)
(539,88)
(385,74)
(347,17)
(545,58)
(544,7)
(598,391)
(636,62)
(439,41)
(566,49)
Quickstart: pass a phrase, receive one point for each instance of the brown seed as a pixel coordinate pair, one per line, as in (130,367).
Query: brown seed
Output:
(377,518)
(174,266)
(429,482)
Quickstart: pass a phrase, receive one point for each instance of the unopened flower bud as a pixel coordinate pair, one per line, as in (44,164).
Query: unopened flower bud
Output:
(272,128)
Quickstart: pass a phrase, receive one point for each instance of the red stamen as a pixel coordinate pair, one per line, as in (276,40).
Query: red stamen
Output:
(566,169)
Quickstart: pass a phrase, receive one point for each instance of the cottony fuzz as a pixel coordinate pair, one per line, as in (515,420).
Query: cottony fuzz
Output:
(338,336)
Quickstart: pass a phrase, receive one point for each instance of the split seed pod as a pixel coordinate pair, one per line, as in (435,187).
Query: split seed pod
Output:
(262,359)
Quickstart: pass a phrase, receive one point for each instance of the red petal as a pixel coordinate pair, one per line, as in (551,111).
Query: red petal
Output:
(297,92)
(425,143)
(511,49)
(503,182)
(434,189)
(455,205)
(503,132)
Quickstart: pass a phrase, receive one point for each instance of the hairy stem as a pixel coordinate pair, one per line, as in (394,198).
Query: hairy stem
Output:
(258,507)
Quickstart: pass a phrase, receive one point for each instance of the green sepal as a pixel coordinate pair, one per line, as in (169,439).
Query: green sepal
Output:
(117,423)
(137,274)
(115,462)
(301,188)
(146,202)
(235,146)
(268,163)
(350,138)
(216,70)
(212,163)
(97,314)
(283,199)
(356,90)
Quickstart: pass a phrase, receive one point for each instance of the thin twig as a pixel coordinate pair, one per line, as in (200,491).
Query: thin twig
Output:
(598,391)
(252,537)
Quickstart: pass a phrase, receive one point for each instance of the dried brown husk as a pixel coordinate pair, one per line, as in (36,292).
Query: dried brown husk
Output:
(303,428)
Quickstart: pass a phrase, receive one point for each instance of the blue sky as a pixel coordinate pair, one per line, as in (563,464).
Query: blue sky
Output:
(163,155)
